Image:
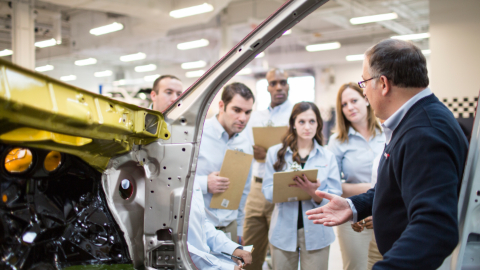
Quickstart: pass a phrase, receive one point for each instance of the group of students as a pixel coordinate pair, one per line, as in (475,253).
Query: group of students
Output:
(347,167)
(349,155)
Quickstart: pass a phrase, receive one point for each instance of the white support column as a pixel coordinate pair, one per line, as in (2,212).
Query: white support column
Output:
(454,41)
(23,33)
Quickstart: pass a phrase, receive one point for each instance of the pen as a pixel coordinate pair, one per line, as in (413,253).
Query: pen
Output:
(236,257)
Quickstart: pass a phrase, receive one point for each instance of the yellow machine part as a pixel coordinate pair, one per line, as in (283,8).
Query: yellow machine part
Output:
(18,160)
(38,111)
(53,160)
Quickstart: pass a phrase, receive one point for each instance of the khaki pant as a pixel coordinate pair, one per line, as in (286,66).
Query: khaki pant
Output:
(373,253)
(354,246)
(258,213)
(230,230)
(309,259)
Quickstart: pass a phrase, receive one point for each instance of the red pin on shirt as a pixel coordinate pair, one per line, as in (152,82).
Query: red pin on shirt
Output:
(386,155)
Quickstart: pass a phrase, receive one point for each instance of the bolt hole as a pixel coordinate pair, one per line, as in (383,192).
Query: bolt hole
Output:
(164,167)
(168,185)
(175,217)
(151,191)
(150,207)
(164,224)
(178,258)
(178,104)
(294,14)
(478,192)
(151,242)
(476,200)
(169,178)
(181,216)
(240,50)
(143,160)
(183,149)
(150,180)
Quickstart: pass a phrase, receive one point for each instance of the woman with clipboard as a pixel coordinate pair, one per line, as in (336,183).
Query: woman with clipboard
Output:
(291,234)
(358,140)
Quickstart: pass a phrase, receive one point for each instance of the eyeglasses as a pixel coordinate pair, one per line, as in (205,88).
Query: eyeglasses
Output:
(274,83)
(362,84)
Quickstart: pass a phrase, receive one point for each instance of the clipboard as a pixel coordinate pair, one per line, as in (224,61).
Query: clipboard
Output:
(281,190)
(267,137)
(235,166)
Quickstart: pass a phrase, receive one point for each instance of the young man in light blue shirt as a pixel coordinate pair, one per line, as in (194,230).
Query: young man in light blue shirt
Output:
(220,133)
(203,240)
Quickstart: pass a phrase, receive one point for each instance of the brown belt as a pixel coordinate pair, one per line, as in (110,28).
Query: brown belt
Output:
(258,179)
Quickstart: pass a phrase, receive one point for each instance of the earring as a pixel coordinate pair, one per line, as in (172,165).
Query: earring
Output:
(368,104)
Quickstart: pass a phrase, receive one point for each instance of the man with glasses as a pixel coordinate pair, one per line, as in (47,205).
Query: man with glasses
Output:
(258,210)
(420,171)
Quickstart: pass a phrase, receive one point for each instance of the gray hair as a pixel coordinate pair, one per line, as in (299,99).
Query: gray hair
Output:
(400,61)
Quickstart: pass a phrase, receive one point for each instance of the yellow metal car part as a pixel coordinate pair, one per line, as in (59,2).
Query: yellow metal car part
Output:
(39,111)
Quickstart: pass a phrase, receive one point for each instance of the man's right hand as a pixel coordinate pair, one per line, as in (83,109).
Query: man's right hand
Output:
(337,211)
(259,153)
(217,184)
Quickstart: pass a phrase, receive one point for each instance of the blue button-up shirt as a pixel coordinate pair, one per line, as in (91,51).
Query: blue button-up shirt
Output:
(283,227)
(203,238)
(277,117)
(355,156)
(215,142)
(391,124)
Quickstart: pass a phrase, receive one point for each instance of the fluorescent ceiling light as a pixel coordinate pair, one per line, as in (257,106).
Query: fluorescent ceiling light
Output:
(193,44)
(151,78)
(323,47)
(109,28)
(146,68)
(86,62)
(355,57)
(6,52)
(288,32)
(245,71)
(426,52)
(44,68)
(374,18)
(68,78)
(104,73)
(260,55)
(46,43)
(190,11)
(196,64)
(413,36)
(133,57)
(194,74)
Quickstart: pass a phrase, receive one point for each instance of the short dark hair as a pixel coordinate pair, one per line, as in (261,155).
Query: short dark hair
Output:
(157,81)
(400,61)
(229,91)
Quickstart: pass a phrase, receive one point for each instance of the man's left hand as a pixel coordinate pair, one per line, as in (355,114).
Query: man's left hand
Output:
(245,255)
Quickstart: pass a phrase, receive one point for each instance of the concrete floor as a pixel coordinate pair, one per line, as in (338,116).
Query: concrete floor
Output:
(335,259)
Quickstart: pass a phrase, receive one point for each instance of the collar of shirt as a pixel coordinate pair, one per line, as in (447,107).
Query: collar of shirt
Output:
(280,107)
(317,148)
(219,130)
(392,122)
